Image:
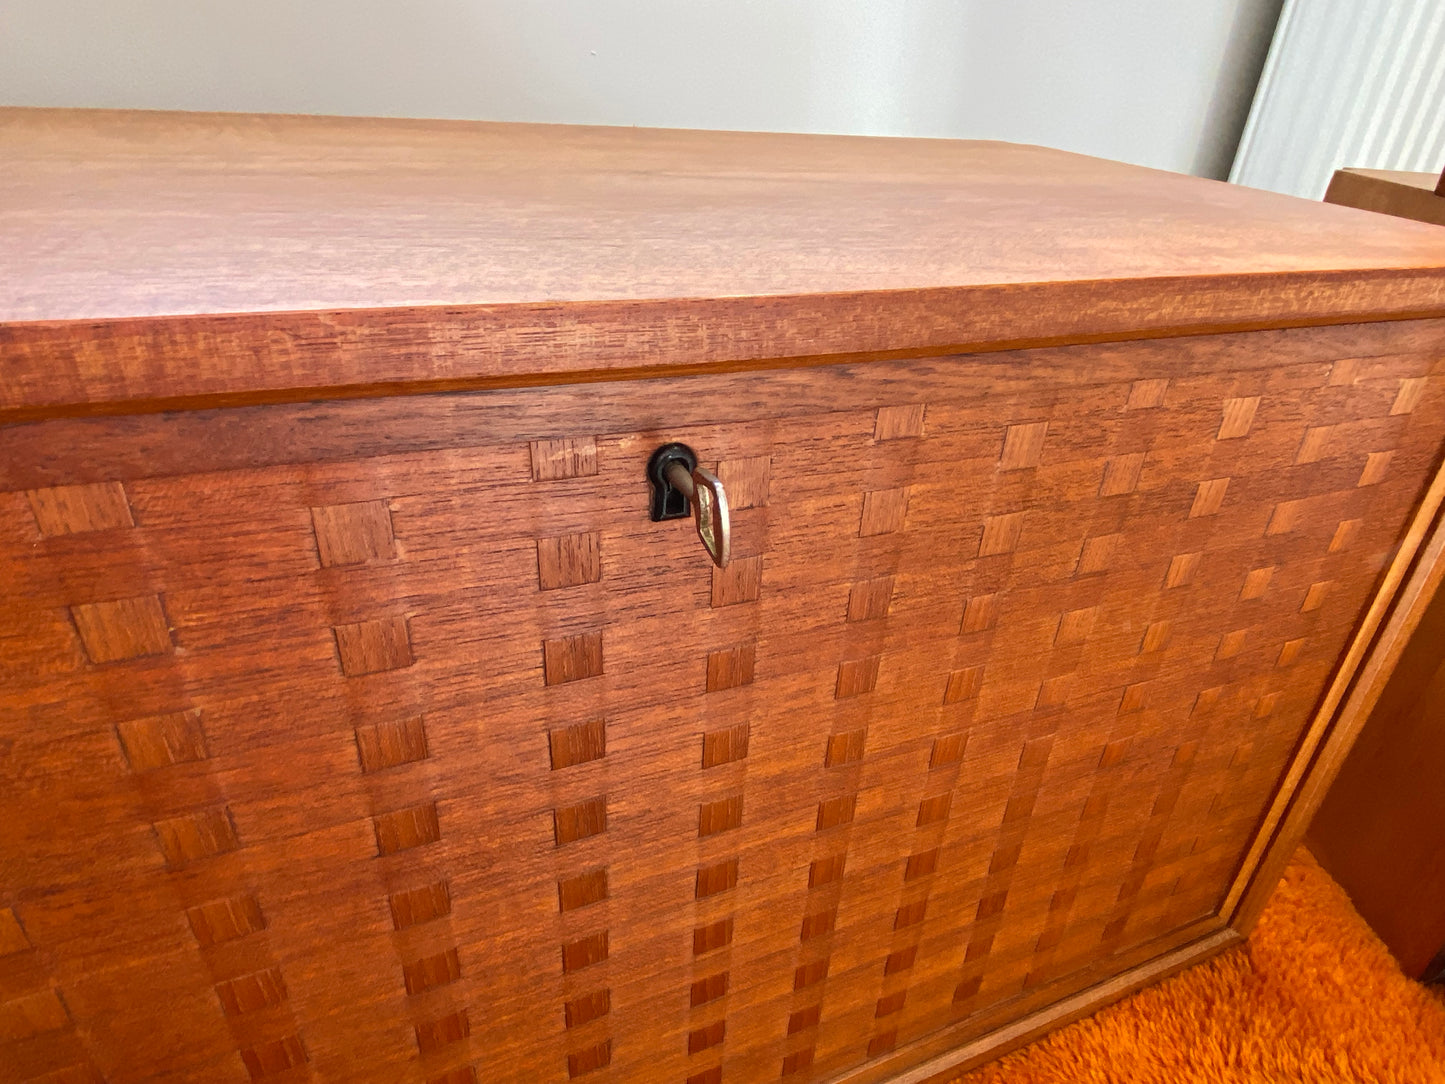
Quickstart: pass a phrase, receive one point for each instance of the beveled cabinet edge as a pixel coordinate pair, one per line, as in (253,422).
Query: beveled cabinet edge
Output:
(146,364)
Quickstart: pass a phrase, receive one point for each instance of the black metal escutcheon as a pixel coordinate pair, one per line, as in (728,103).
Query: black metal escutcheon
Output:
(667,501)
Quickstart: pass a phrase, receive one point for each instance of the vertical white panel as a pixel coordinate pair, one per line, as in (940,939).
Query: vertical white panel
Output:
(1348,83)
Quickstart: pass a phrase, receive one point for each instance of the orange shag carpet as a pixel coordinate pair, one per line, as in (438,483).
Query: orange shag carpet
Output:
(1311,996)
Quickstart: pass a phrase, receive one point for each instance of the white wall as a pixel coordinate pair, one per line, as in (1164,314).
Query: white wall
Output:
(1159,82)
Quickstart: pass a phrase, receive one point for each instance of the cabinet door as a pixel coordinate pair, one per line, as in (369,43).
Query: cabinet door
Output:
(390,740)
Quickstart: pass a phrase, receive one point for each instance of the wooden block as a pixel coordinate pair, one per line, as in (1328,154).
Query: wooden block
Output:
(12,937)
(898,422)
(569,560)
(591,1059)
(432,1035)
(823,871)
(572,658)
(579,821)
(725,746)
(710,989)
(890,1004)
(1054,692)
(910,914)
(1121,474)
(1023,446)
(1315,444)
(722,815)
(272,1057)
(251,993)
(30,1015)
(1183,567)
(980,613)
(857,676)
(353,534)
(869,600)
(948,749)
(403,829)
(1156,636)
(1136,698)
(387,745)
(712,937)
(705,1038)
(836,811)
(963,684)
(1231,644)
(97,506)
(1208,497)
(1256,583)
(467,1074)
(578,744)
(187,839)
(563,457)
(730,667)
(1144,394)
(1377,465)
(1097,554)
(588,1007)
(810,974)
(1290,652)
(1343,373)
(124,628)
(919,865)
(884,511)
(585,952)
(1238,418)
(846,748)
(882,1043)
(162,740)
(429,972)
(1001,534)
(818,924)
(1114,752)
(1315,596)
(902,960)
(414,906)
(1075,625)
(583,890)
(708,1076)
(218,921)
(804,1019)
(716,878)
(1285,517)
(1408,397)
(799,1061)
(934,809)
(1345,534)
(369,647)
(739,582)
(746,481)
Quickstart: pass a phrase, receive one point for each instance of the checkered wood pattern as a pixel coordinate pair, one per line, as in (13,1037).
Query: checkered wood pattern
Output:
(408,749)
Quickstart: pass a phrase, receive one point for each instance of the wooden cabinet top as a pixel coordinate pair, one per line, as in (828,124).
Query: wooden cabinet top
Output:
(445,253)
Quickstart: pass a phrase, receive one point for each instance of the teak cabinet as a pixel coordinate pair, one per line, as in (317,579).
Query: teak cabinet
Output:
(358,724)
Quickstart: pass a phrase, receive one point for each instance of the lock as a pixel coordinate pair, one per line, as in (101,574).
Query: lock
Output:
(680,486)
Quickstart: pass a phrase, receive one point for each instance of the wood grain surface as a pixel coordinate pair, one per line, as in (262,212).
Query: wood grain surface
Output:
(389,740)
(138,249)
(1390,192)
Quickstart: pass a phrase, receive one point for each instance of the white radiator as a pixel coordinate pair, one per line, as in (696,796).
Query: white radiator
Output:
(1347,83)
